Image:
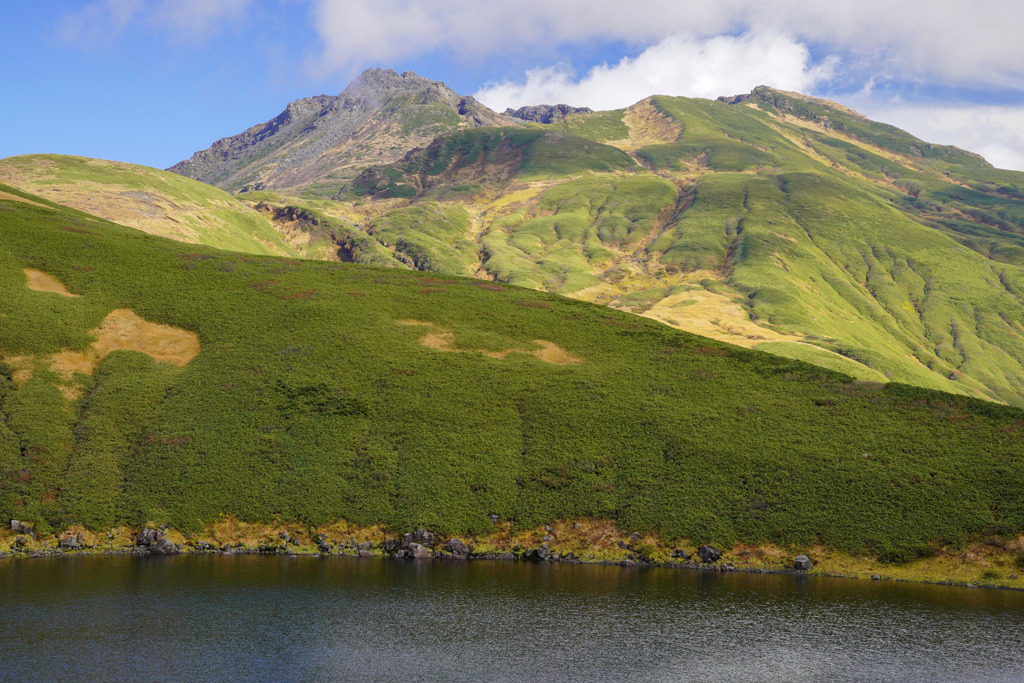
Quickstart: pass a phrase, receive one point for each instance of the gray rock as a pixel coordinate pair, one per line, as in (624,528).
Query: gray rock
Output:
(324,547)
(627,563)
(709,554)
(802,563)
(422,537)
(417,552)
(366,545)
(876,577)
(456,547)
(680,554)
(365,553)
(163,547)
(284,536)
(546,113)
(542,553)
(622,544)
(389,545)
(146,537)
(494,518)
(69,543)
(20,527)
(635,537)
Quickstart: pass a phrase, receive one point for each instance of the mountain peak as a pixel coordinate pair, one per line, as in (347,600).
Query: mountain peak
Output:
(381,115)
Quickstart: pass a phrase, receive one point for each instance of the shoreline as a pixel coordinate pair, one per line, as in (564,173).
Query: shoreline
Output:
(992,563)
(717,568)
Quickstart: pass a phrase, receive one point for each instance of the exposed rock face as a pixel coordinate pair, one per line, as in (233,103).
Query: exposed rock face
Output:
(380,117)
(546,113)
(19,527)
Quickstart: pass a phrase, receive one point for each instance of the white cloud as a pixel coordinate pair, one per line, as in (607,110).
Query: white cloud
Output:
(678,65)
(947,40)
(995,132)
(101,21)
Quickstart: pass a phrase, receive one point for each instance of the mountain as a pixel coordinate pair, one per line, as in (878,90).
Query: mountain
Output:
(324,139)
(771,220)
(148,380)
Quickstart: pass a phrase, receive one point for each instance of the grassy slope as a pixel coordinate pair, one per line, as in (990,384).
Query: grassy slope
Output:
(309,401)
(900,257)
(157,202)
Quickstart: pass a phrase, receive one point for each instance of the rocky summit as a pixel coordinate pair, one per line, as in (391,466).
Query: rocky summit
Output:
(378,118)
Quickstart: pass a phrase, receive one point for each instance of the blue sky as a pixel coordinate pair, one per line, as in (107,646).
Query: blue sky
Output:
(152,81)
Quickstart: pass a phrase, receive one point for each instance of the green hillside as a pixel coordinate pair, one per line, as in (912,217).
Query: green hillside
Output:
(145,379)
(771,219)
(154,201)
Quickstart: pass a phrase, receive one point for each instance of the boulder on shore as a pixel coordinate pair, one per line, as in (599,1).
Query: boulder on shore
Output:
(709,554)
(456,547)
(146,537)
(802,563)
(417,552)
(164,546)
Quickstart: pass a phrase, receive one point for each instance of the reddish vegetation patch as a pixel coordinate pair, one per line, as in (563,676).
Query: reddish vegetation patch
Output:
(261,285)
(357,293)
(534,304)
(432,290)
(307,294)
(432,281)
(191,256)
(71,228)
(708,351)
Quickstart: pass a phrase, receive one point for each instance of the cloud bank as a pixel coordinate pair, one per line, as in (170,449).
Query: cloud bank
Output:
(945,40)
(678,65)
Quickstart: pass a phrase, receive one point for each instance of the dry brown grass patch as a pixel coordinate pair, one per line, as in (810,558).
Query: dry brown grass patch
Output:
(15,198)
(38,281)
(443,340)
(123,330)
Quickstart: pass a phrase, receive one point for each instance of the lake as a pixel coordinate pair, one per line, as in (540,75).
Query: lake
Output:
(277,618)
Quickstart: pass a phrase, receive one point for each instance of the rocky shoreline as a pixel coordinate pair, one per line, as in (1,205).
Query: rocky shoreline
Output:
(420,545)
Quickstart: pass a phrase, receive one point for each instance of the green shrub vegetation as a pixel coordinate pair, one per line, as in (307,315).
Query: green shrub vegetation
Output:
(310,400)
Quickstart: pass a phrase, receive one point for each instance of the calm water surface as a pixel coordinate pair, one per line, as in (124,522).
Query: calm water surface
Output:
(279,618)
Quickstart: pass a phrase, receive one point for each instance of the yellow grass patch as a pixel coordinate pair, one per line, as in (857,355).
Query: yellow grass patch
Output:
(123,330)
(22,366)
(15,198)
(443,340)
(647,126)
(38,281)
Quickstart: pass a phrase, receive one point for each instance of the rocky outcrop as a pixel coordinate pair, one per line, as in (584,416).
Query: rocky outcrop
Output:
(802,563)
(20,527)
(546,113)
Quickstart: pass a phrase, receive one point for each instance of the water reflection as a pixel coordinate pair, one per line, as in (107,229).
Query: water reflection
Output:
(279,618)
